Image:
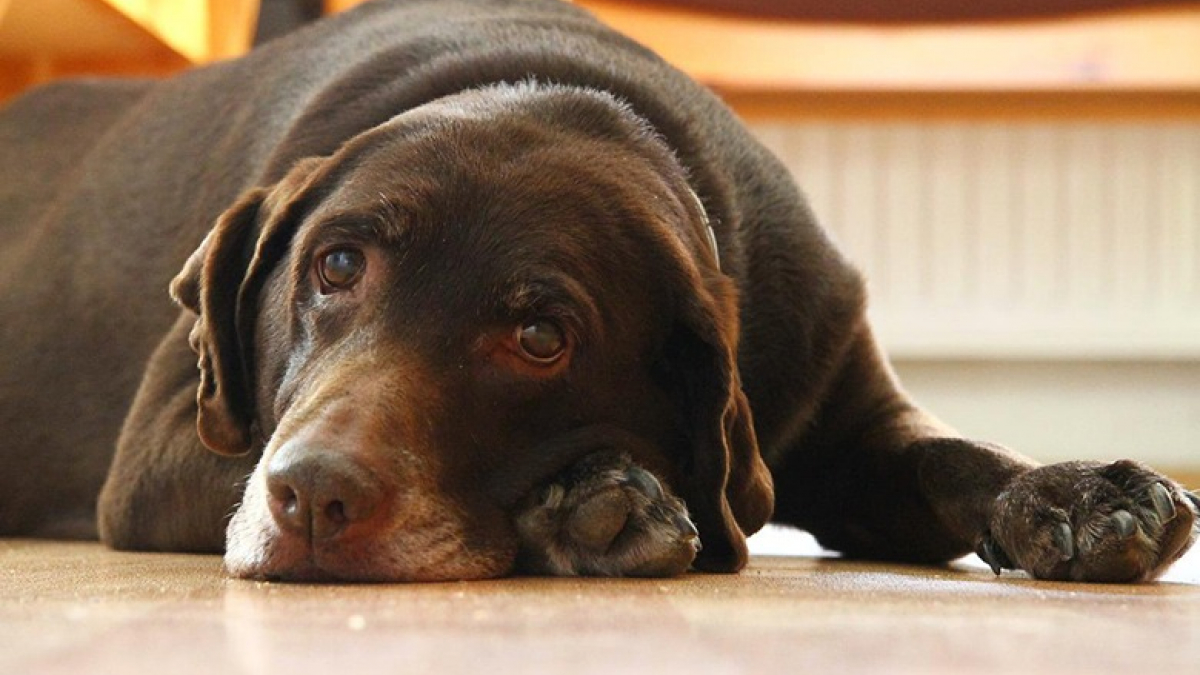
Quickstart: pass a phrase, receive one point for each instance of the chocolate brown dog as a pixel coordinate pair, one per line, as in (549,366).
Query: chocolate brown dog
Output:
(475,287)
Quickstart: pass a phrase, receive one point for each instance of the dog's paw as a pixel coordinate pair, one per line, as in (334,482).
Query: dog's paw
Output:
(605,516)
(1086,521)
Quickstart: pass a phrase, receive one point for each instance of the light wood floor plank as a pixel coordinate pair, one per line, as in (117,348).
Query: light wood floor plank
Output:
(78,608)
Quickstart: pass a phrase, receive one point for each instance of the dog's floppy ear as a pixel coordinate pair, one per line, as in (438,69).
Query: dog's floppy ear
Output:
(727,486)
(220,283)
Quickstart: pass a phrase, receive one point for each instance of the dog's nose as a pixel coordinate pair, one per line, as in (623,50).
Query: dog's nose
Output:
(318,494)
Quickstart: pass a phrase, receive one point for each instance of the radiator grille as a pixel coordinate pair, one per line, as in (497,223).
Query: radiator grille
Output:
(1031,239)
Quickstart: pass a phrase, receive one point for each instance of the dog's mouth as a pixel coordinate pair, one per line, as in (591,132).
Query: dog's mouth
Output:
(305,570)
(313,567)
(287,557)
(414,538)
(421,557)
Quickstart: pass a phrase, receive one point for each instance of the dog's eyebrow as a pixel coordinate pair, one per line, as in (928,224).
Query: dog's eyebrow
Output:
(558,295)
(366,224)
(380,219)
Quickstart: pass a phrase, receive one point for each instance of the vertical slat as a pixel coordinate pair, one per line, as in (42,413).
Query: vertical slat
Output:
(996,243)
(1153,259)
(1035,175)
(903,250)
(950,226)
(1173,231)
(1129,216)
(1083,213)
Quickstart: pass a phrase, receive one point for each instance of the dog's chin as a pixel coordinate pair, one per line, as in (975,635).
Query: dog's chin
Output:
(299,563)
(256,548)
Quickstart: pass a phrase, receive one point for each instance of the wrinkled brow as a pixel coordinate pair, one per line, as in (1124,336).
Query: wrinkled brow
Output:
(382,221)
(556,295)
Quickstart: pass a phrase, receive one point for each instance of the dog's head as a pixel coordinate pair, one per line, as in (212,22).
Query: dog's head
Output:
(419,323)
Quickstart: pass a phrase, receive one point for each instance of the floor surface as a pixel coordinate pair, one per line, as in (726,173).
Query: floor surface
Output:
(78,608)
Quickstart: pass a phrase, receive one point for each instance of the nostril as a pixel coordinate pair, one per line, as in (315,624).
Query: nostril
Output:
(280,490)
(287,507)
(291,505)
(335,512)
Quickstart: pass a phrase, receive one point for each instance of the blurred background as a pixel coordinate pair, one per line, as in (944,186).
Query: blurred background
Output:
(1019,180)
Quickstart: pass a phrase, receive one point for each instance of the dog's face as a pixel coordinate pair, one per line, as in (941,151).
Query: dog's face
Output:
(425,327)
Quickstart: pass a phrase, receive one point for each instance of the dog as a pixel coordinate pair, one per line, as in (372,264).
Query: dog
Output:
(468,288)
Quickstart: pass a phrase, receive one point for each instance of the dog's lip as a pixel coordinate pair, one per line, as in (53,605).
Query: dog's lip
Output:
(347,570)
(297,560)
(306,571)
(302,565)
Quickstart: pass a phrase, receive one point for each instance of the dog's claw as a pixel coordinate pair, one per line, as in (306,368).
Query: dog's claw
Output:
(687,526)
(689,532)
(1064,540)
(645,482)
(991,553)
(551,496)
(1164,506)
(1124,523)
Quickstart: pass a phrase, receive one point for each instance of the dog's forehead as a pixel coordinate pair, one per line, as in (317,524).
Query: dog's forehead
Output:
(489,129)
(549,105)
(464,178)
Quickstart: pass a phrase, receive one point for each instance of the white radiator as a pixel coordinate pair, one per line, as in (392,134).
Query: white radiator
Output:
(1042,240)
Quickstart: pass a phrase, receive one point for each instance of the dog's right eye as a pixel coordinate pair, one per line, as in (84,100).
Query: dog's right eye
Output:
(340,269)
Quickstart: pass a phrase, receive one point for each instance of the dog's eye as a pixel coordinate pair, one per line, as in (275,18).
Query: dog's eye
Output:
(541,341)
(340,268)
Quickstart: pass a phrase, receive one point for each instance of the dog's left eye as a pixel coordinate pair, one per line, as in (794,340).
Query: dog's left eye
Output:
(340,268)
(541,341)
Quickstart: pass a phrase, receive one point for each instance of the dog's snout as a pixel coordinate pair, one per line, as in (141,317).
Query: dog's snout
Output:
(318,494)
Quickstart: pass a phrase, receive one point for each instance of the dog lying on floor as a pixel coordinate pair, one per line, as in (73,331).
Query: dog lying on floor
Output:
(468,288)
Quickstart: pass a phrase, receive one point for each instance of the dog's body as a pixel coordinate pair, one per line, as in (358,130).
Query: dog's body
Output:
(484,274)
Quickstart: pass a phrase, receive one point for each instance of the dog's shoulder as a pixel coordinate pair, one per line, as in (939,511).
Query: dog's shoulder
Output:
(46,131)
(72,112)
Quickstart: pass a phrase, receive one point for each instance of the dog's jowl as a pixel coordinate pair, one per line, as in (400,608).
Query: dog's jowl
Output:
(459,299)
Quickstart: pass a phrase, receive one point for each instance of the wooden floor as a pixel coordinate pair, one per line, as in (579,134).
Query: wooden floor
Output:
(79,609)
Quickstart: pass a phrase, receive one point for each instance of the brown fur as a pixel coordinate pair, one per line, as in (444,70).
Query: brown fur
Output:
(521,162)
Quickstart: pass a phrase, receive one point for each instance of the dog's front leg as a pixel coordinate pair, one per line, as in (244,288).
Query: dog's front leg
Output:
(880,478)
(165,491)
